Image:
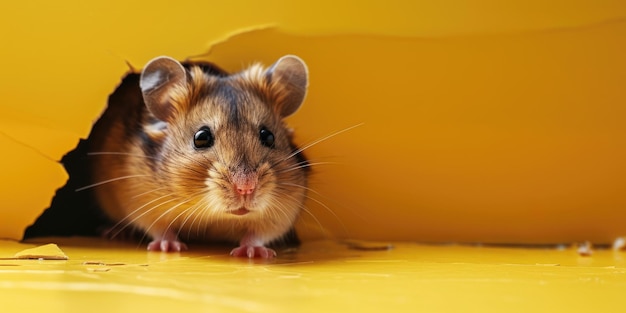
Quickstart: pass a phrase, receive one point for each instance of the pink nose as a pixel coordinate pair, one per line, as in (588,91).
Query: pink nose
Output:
(245,188)
(244,182)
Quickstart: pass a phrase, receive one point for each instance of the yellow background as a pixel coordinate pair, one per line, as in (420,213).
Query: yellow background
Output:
(483,120)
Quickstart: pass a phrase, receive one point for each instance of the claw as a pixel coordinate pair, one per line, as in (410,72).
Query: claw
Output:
(167,246)
(253,252)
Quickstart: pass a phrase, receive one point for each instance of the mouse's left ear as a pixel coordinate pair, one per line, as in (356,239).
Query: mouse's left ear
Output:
(290,76)
(159,81)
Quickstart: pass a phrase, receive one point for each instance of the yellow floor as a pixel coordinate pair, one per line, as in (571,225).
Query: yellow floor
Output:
(318,277)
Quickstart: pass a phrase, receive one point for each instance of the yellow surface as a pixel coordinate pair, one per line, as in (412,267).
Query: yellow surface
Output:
(484,121)
(321,276)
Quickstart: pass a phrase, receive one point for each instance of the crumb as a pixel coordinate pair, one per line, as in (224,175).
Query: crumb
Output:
(561,247)
(99,270)
(103,263)
(585,249)
(368,246)
(619,244)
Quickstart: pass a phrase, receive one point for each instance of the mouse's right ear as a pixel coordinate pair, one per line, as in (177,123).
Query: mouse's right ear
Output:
(162,78)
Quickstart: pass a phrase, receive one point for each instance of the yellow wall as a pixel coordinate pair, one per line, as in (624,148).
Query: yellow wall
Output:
(498,121)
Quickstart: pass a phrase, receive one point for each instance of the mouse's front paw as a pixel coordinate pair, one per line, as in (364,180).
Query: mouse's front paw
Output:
(167,246)
(253,252)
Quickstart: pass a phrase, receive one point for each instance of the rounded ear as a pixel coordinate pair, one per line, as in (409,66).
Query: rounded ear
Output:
(158,78)
(292,75)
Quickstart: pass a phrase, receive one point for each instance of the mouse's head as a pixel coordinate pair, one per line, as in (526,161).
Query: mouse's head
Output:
(220,143)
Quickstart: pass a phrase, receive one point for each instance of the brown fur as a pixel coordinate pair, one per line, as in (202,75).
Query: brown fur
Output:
(163,184)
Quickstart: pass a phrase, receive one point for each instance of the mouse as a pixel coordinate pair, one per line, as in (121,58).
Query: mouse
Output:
(194,153)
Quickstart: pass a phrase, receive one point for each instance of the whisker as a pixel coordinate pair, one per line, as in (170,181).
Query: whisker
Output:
(281,208)
(121,153)
(301,186)
(142,214)
(301,206)
(348,208)
(301,165)
(343,226)
(309,145)
(207,217)
(191,197)
(201,209)
(162,215)
(147,192)
(193,212)
(109,181)
(321,227)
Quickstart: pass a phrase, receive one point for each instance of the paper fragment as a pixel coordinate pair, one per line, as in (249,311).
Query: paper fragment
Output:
(46,252)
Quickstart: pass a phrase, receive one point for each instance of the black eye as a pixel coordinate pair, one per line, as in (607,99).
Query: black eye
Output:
(203,138)
(267,138)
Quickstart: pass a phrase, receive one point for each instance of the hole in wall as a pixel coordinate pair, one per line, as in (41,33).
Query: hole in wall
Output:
(74,209)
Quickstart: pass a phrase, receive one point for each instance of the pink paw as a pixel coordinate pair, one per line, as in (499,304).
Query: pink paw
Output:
(167,246)
(253,252)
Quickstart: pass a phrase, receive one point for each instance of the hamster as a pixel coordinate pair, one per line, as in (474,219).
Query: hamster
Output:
(195,153)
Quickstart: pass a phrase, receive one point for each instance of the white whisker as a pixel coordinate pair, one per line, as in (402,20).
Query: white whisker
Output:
(343,226)
(109,181)
(122,153)
(164,214)
(302,207)
(191,197)
(193,211)
(147,192)
(302,165)
(142,214)
(321,139)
